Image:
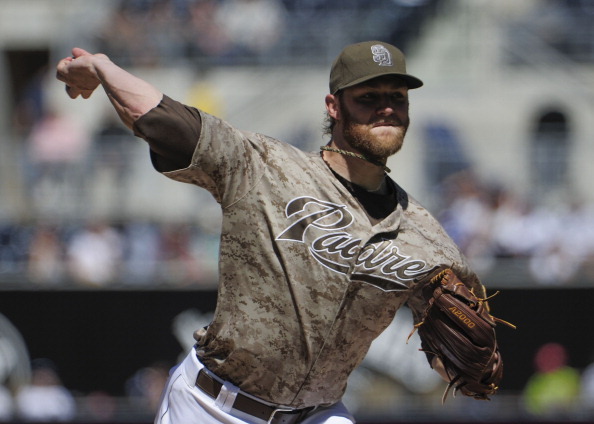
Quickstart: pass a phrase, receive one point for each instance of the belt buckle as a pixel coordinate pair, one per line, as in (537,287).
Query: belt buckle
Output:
(276,410)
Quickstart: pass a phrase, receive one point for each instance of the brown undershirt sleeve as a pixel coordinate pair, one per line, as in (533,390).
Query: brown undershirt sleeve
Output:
(172,131)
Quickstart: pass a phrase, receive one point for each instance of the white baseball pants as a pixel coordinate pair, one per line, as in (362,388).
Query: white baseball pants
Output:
(184,403)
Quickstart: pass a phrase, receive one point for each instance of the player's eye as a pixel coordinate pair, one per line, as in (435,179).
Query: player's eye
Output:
(399,98)
(367,97)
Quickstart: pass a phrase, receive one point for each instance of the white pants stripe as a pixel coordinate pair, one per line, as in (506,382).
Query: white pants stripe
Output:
(184,403)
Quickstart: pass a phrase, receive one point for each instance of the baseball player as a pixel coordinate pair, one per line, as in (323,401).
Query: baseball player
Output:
(318,250)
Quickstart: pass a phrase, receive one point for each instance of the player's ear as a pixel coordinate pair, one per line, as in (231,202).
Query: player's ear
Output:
(332,106)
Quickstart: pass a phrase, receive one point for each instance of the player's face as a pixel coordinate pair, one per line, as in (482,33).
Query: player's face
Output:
(373,116)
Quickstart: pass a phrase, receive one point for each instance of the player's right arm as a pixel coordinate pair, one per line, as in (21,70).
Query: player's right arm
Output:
(83,72)
(131,97)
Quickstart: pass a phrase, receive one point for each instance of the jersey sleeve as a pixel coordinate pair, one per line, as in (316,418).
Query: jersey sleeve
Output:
(172,131)
(225,161)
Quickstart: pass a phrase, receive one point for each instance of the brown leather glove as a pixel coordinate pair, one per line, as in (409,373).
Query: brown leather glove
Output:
(458,329)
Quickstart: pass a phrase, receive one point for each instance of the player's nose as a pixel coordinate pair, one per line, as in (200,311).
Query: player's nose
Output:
(385,109)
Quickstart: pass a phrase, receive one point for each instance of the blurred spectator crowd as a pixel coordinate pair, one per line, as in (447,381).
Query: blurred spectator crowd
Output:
(495,225)
(161,32)
(224,32)
(45,398)
(100,254)
(60,240)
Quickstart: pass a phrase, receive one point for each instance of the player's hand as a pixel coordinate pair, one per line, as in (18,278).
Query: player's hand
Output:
(437,365)
(78,73)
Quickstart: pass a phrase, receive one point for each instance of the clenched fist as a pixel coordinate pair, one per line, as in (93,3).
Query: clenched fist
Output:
(79,73)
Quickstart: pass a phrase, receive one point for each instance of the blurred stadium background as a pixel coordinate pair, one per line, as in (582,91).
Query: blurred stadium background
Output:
(106,267)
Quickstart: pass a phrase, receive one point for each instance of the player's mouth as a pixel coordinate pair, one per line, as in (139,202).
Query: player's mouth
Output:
(386,124)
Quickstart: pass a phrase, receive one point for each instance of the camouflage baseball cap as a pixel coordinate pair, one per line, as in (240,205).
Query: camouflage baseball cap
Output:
(360,62)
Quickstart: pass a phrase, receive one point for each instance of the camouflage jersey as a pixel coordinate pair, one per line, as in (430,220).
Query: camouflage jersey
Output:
(307,279)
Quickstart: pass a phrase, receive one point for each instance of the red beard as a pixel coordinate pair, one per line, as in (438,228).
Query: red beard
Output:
(367,141)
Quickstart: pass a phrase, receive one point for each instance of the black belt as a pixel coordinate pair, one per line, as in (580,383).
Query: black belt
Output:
(250,406)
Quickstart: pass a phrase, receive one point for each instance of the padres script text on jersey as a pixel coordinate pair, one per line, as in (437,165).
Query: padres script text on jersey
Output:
(378,263)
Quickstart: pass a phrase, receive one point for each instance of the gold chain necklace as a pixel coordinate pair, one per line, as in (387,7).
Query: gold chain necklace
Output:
(356,155)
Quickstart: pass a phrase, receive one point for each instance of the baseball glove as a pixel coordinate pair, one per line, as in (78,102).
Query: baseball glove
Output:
(458,329)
